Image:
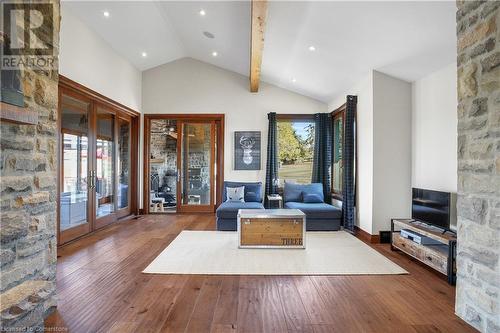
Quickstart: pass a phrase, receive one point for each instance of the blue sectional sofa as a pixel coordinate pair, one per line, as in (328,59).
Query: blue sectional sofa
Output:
(227,213)
(309,198)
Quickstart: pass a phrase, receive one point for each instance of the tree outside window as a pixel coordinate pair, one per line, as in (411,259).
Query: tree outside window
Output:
(295,150)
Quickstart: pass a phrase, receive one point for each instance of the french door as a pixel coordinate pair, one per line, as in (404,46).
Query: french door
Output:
(197,166)
(183,162)
(95,165)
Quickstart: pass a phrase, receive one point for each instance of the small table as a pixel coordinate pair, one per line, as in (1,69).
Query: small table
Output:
(275,198)
(157,204)
(271,228)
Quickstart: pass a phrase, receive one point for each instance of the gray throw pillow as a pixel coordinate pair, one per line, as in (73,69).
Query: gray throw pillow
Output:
(236,194)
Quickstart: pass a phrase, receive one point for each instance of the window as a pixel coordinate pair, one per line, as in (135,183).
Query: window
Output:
(338,143)
(338,118)
(295,149)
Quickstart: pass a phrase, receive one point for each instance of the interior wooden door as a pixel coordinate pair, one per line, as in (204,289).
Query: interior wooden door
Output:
(196,163)
(75,184)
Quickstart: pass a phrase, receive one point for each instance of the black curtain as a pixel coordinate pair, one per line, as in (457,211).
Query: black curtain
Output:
(272,158)
(348,158)
(322,160)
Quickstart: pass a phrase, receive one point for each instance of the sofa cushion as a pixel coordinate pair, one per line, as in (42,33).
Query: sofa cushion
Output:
(253,191)
(229,209)
(316,210)
(311,198)
(294,192)
(235,193)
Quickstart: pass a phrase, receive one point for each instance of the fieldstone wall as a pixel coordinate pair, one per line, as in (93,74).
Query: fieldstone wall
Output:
(28,170)
(478,266)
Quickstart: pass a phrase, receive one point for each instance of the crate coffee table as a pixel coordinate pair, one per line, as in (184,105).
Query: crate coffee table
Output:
(271,228)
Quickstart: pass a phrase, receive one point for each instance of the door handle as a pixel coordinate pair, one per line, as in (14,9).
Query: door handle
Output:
(89,181)
(92,180)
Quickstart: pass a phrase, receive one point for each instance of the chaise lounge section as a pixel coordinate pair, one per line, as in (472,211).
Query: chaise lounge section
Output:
(309,198)
(227,213)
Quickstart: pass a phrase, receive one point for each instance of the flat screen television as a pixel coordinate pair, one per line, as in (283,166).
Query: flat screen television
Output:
(434,207)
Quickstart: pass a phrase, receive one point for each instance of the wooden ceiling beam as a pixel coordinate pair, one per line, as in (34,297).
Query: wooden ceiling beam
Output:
(259,13)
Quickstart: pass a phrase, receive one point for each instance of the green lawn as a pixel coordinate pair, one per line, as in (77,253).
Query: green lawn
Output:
(300,172)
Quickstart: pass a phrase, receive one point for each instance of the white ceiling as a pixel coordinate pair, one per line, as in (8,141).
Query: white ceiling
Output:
(404,39)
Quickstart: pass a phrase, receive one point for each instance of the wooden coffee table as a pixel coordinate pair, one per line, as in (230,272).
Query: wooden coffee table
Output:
(271,228)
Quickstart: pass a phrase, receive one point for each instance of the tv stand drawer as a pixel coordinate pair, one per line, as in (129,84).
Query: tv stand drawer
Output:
(407,246)
(435,259)
(426,254)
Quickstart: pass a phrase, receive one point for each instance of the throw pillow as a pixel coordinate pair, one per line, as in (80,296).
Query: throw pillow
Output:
(251,197)
(311,198)
(236,193)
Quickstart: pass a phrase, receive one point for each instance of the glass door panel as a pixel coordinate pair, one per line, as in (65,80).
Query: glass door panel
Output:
(74,186)
(123,161)
(105,163)
(338,140)
(197,165)
(163,166)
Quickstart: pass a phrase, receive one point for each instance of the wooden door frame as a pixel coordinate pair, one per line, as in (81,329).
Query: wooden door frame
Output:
(122,212)
(202,208)
(216,118)
(84,228)
(112,217)
(72,88)
(337,113)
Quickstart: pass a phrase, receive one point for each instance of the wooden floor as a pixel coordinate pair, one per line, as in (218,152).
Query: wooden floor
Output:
(101,289)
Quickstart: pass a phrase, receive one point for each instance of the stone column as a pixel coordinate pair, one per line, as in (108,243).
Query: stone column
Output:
(478,281)
(28,171)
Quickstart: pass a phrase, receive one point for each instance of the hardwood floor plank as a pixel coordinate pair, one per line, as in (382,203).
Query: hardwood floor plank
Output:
(154,316)
(203,312)
(273,316)
(249,307)
(226,311)
(296,316)
(181,312)
(313,303)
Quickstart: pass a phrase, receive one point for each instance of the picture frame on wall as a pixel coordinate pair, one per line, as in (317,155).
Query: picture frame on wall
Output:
(247,150)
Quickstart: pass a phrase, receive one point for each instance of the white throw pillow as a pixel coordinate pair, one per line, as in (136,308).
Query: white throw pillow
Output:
(235,193)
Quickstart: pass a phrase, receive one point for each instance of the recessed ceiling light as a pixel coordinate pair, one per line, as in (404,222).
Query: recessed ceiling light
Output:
(208,34)
(144,54)
(294,80)
(105,13)
(312,48)
(214,54)
(202,12)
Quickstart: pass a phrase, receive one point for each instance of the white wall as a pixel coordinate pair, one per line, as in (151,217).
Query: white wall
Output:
(391,150)
(434,130)
(86,58)
(191,86)
(364,91)
(384,135)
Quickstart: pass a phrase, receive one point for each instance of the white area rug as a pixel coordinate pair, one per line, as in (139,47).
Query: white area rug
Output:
(217,252)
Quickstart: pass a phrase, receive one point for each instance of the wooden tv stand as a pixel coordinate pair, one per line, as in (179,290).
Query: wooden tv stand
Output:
(441,257)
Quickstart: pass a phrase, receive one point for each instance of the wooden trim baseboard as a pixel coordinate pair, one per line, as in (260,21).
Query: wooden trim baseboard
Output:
(369,238)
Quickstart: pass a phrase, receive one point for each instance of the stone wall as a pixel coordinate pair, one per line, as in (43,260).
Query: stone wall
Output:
(478,283)
(28,170)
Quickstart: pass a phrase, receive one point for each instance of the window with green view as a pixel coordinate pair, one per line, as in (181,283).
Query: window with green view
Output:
(295,150)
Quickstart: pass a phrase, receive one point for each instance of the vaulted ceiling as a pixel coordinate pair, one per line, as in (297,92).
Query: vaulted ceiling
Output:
(404,39)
